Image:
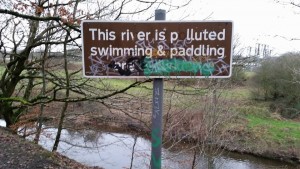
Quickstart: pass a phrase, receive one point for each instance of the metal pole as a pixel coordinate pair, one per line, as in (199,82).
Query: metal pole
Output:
(160,14)
(157,110)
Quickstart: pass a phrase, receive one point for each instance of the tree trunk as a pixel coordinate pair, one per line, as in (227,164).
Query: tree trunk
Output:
(210,162)
(132,154)
(43,92)
(194,159)
(11,76)
(7,112)
(63,112)
(60,126)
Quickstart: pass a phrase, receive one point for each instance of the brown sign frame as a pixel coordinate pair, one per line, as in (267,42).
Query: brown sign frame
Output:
(157,49)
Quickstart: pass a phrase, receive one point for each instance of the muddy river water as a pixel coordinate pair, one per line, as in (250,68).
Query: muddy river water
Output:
(115,151)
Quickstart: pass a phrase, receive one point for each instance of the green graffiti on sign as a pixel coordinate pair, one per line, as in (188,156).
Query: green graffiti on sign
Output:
(165,67)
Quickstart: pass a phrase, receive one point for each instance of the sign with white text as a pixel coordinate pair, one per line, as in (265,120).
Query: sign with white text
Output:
(157,49)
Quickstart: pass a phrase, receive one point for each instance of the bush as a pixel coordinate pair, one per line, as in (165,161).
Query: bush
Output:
(278,79)
(238,76)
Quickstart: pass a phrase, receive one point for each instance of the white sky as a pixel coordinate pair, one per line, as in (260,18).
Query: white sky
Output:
(255,21)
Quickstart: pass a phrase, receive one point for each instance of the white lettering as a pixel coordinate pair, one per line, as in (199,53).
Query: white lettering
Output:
(201,50)
(141,35)
(212,35)
(115,51)
(93,30)
(112,35)
(173,52)
(203,35)
(221,35)
(93,51)
(174,36)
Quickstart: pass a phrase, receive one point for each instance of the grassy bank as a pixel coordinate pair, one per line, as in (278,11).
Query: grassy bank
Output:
(284,132)
(266,133)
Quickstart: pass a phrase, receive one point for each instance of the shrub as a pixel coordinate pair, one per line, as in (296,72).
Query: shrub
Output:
(277,79)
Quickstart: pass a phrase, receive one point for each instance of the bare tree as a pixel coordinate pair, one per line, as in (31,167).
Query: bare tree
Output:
(26,31)
(195,112)
(295,4)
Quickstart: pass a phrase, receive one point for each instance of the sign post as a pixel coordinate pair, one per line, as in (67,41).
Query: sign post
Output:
(157,49)
(157,111)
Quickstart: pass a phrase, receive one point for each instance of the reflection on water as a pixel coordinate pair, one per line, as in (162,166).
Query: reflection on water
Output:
(114,151)
(2,123)
(108,150)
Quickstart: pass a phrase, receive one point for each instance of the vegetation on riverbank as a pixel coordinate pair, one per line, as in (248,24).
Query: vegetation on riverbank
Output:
(202,111)
(252,128)
(265,133)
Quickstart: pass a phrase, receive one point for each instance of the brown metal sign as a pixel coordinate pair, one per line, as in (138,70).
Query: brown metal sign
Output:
(157,49)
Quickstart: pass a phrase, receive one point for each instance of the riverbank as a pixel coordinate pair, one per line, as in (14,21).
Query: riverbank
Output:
(247,140)
(131,131)
(255,131)
(244,125)
(18,153)
(264,133)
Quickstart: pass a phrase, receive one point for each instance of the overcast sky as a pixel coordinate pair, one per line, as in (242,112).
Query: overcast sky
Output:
(255,21)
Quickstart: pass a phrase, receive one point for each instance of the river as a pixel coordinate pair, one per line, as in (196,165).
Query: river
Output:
(114,151)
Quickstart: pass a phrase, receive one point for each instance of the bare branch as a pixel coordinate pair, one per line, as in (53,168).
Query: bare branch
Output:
(31,17)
